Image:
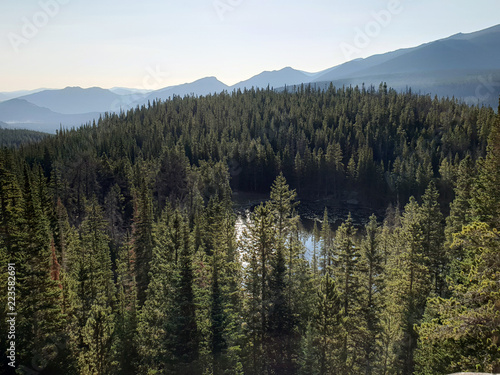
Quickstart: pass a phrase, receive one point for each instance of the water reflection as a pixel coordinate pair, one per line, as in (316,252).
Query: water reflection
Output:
(305,232)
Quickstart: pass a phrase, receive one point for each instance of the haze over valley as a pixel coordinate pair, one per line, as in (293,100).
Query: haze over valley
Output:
(464,66)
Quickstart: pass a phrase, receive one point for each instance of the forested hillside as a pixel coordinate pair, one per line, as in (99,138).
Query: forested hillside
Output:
(127,260)
(17,137)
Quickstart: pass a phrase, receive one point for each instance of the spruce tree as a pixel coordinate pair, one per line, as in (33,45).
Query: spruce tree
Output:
(155,312)
(95,294)
(327,319)
(372,282)
(142,239)
(409,284)
(460,207)
(284,279)
(485,199)
(346,273)
(39,307)
(326,261)
(126,316)
(183,337)
(96,358)
(433,237)
(259,241)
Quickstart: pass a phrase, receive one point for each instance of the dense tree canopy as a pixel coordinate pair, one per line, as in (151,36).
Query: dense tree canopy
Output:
(129,258)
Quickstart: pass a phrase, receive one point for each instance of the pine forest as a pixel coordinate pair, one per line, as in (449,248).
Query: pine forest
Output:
(124,238)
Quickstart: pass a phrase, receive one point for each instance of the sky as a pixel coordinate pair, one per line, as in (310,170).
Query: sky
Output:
(151,44)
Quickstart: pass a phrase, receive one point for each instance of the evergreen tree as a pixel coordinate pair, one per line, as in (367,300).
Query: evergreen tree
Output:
(485,199)
(372,282)
(142,239)
(97,337)
(154,314)
(259,241)
(183,338)
(461,333)
(12,235)
(126,317)
(433,237)
(280,348)
(316,238)
(39,307)
(460,207)
(95,294)
(284,341)
(346,272)
(225,300)
(409,284)
(326,245)
(327,319)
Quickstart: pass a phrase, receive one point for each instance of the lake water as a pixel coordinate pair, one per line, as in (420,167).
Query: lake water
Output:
(305,231)
(245,202)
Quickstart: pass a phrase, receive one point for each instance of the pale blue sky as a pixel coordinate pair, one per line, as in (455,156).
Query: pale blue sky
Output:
(152,44)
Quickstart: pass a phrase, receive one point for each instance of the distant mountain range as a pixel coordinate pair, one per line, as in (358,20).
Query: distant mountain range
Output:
(21,114)
(466,66)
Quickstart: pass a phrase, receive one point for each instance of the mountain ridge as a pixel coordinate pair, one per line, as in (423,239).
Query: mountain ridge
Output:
(460,65)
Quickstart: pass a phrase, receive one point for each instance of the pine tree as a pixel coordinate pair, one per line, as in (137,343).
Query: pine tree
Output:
(126,316)
(460,207)
(409,284)
(284,340)
(97,337)
(259,240)
(461,333)
(327,319)
(218,321)
(346,273)
(142,239)
(281,322)
(433,237)
(485,199)
(95,294)
(326,245)
(151,333)
(224,295)
(39,307)
(12,234)
(316,238)
(372,288)
(183,337)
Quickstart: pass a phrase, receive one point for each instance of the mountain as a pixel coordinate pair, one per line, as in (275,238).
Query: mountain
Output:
(17,94)
(19,113)
(473,52)
(72,100)
(204,86)
(128,91)
(275,78)
(465,66)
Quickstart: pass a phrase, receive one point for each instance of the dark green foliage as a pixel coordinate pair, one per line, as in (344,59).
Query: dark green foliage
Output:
(460,333)
(382,146)
(18,137)
(183,337)
(326,328)
(433,237)
(142,239)
(372,304)
(129,259)
(281,324)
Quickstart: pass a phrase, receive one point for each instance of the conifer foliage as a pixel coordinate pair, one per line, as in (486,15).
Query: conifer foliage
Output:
(130,257)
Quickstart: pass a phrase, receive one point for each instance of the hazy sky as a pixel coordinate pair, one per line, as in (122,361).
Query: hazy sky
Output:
(152,44)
